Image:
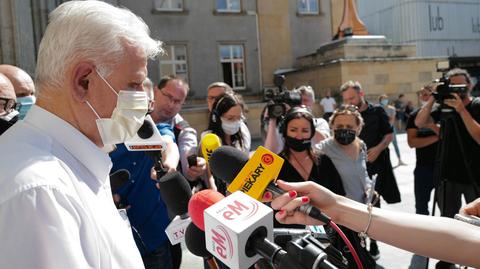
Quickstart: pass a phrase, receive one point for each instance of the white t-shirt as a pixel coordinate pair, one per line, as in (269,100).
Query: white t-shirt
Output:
(328,104)
(56,206)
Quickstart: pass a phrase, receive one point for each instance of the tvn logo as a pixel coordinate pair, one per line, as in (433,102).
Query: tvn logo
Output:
(221,242)
(239,211)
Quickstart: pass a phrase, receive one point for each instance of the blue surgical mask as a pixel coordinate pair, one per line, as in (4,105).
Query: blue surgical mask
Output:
(384,102)
(26,103)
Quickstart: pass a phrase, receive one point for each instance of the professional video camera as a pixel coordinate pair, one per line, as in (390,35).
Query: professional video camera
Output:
(279,97)
(444,90)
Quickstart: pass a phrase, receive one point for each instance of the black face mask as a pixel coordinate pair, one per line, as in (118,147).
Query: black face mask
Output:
(298,145)
(345,136)
(4,124)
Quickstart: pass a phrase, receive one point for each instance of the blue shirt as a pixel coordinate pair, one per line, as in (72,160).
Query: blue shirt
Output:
(147,213)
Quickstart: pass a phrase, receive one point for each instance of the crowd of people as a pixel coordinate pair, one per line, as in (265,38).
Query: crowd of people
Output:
(64,135)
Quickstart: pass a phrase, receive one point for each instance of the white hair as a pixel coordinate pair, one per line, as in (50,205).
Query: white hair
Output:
(305,89)
(91,31)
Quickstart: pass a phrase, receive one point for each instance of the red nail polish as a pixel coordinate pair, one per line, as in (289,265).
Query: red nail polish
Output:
(292,194)
(268,195)
(305,199)
(282,211)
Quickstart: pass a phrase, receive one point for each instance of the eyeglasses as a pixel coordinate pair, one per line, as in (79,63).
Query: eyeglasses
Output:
(172,99)
(351,108)
(8,104)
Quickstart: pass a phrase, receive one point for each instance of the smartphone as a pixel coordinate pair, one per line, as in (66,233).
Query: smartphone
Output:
(192,160)
(468,219)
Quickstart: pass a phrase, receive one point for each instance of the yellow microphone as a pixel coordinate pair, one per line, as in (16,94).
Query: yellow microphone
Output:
(260,170)
(209,143)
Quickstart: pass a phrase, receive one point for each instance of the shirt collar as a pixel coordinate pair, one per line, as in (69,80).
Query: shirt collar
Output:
(76,143)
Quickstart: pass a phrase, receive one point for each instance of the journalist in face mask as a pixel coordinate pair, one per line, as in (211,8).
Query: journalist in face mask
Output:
(23,85)
(225,120)
(92,60)
(347,151)
(8,114)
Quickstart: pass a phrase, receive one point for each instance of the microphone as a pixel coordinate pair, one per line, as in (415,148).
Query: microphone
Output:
(238,231)
(147,138)
(255,175)
(195,242)
(209,143)
(118,179)
(175,192)
(199,202)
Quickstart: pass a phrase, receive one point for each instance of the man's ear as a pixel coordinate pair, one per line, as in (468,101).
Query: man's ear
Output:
(362,93)
(80,80)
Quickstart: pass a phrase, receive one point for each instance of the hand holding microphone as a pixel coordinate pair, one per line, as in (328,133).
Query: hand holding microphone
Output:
(254,176)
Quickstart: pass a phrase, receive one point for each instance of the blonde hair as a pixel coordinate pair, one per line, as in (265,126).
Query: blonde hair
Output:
(344,111)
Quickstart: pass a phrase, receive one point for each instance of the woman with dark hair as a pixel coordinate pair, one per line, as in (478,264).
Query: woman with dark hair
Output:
(302,163)
(225,121)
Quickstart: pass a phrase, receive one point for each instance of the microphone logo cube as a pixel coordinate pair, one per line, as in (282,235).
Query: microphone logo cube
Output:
(228,225)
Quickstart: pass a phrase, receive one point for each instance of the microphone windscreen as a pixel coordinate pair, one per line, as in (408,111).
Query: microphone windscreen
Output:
(146,130)
(118,178)
(226,162)
(209,143)
(195,241)
(201,201)
(175,192)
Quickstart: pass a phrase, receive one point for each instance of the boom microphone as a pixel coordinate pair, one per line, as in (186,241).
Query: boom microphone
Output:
(254,176)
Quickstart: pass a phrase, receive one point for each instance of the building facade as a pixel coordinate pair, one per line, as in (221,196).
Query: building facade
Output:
(438,28)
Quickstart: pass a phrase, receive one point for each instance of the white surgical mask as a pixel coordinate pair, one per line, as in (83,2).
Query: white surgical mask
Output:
(231,127)
(127,117)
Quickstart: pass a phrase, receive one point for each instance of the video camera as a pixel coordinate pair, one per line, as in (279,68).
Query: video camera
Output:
(279,97)
(444,90)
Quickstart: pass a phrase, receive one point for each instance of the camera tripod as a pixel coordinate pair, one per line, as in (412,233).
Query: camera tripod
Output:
(449,123)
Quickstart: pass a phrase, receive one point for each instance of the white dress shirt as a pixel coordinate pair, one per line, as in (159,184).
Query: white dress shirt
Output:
(56,208)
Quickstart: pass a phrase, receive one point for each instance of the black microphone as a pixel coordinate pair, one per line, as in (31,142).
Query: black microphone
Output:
(118,179)
(195,242)
(226,162)
(176,193)
(146,130)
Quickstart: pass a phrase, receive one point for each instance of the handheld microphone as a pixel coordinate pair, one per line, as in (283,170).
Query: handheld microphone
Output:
(195,242)
(255,175)
(118,179)
(238,231)
(199,202)
(175,192)
(209,143)
(147,138)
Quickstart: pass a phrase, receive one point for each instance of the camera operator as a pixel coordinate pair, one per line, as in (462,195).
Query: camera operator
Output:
(459,117)
(301,96)
(436,237)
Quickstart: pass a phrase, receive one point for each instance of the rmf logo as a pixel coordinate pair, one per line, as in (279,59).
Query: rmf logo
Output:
(222,243)
(267,159)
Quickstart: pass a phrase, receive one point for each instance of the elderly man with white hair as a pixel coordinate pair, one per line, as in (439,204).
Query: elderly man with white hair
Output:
(55,201)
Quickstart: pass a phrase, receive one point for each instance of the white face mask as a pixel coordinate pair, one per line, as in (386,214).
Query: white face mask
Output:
(423,103)
(231,127)
(126,119)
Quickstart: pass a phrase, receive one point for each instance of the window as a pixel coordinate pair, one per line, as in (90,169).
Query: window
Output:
(308,6)
(174,61)
(233,66)
(228,5)
(169,5)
